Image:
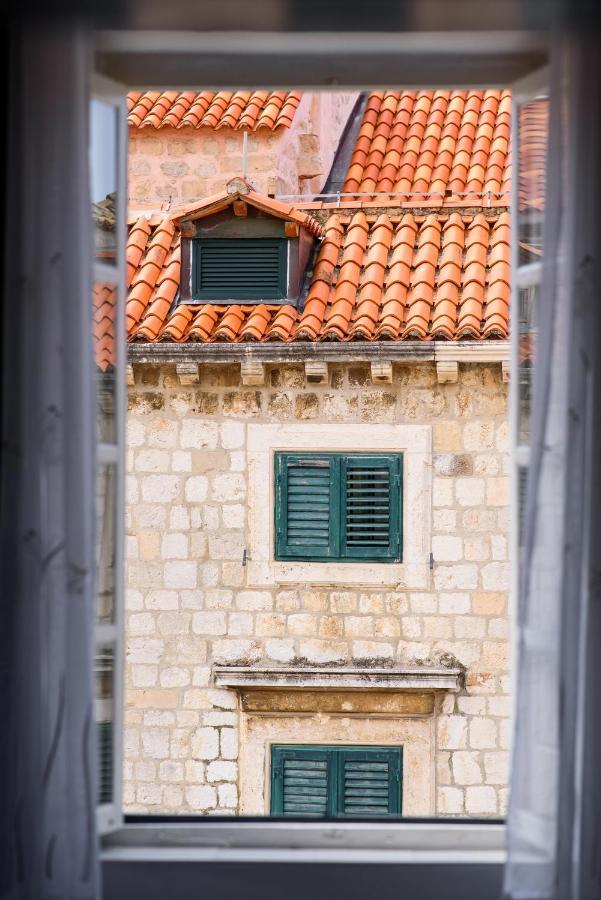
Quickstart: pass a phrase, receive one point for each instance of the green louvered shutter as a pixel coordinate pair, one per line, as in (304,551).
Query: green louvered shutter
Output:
(336,782)
(371,505)
(307,506)
(300,782)
(240,269)
(370,782)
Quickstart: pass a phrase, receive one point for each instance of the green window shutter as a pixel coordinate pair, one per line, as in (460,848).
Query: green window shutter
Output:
(371,505)
(240,269)
(370,782)
(336,782)
(307,506)
(300,781)
(338,507)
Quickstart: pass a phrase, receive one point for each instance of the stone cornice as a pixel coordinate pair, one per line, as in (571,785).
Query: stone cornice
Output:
(339,678)
(327,351)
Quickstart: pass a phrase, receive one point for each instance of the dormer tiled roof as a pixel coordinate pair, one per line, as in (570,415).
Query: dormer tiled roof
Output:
(239,110)
(238,189)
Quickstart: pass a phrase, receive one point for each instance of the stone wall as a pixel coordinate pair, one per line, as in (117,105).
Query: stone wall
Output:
(187,164)
(189,604)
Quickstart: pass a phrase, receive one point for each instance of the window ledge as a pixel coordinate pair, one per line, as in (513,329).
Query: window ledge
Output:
(343,678)
(348,842)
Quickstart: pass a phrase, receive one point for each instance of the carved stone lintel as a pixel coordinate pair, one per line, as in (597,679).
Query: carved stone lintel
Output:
(447,371)
(252,372)
(187,373)
(381,372)
(505,370)
(316,371)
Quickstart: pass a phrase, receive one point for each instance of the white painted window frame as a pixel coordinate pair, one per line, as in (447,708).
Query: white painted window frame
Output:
(461,842)
(110,815)
(534,85)
(413,441)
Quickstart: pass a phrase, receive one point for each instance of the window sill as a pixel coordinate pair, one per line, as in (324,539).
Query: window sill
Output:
(268,841)
(339,574)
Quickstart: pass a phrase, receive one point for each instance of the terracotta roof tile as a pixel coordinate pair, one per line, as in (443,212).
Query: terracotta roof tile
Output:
(432,142)
(240,110)
(374,278)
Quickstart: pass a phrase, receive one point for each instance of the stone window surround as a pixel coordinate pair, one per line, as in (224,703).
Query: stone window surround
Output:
(414,441)
(259,731)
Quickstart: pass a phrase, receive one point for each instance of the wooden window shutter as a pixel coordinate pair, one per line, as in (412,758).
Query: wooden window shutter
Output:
(370,782)
(336,782)
(240,269)
(307,506)
(371,507)
(300,782)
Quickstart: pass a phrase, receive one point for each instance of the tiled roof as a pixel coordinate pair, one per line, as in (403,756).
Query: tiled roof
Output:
(433,142)
(388,277)
(103,326)
(240,110)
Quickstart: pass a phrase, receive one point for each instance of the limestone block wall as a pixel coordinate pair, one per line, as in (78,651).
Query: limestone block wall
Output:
(177,165)
(189,603)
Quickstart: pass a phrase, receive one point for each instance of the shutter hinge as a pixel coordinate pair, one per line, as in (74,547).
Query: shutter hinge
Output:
(244,557)
(431,560)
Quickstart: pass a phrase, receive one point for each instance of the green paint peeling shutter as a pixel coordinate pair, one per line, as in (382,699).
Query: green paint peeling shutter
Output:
(336,782)
(300,779)
(338,507)
(370,487)
(240,269)
(306,506)
(370,782)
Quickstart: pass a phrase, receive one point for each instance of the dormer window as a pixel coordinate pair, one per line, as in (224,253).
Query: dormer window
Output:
(242,247)
(244,269)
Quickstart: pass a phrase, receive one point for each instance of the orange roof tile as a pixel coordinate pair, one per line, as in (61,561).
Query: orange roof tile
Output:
(442,276)
(240,110)
(433,142)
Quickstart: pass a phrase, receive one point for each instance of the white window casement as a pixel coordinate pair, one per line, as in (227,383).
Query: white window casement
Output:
(463,846)
(413,441)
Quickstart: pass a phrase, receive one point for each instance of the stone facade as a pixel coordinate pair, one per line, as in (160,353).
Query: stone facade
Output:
(172,165)
(192,601)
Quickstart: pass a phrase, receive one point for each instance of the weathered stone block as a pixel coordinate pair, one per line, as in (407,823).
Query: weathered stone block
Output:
(451,732)
(481,801)
(209,623)
(222,770)
(466,767)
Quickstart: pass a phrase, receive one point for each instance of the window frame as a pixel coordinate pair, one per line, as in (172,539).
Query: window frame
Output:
(109,815)
(225,294)
(340,462)
(469,843)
